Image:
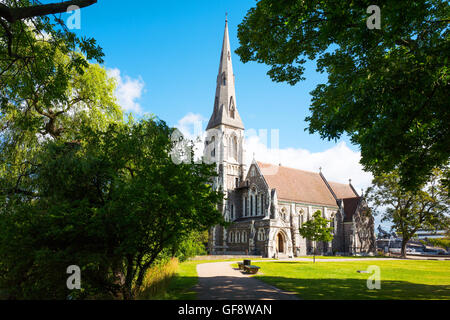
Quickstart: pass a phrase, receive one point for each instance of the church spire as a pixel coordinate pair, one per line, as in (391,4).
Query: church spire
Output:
(225,111)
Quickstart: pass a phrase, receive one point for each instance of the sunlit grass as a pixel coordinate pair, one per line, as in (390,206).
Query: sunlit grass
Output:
(340,280)
(157,279)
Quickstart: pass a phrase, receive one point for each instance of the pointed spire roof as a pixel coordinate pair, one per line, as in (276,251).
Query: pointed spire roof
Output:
(225,110)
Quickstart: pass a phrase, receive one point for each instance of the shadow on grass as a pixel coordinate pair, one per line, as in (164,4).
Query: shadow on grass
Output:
(177,288)
(256,288)
(356,289)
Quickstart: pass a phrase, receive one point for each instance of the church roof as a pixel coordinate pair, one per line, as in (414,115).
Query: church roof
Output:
(225,108)
(303,186)
(342,191)
(297,185)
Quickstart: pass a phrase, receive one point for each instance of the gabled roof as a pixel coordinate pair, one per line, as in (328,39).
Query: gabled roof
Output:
(342,191)
(309,187)
(297,185)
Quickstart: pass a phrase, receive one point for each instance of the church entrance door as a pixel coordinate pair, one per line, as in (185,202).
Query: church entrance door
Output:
(280,242)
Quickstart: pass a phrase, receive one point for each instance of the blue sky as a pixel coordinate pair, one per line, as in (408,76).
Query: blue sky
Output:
(165,55)
(173,47)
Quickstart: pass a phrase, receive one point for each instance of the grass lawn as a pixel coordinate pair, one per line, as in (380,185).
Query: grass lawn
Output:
(406,279)
(343,257)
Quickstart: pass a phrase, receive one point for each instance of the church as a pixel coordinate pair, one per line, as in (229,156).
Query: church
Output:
(265,203)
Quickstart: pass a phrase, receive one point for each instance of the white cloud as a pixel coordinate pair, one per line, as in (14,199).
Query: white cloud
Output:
(339,163)
(191,125)
(128,91)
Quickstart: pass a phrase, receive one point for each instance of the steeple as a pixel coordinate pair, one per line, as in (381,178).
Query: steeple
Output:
(225,111)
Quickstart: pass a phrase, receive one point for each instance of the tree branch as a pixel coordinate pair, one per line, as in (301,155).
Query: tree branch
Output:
(14,14)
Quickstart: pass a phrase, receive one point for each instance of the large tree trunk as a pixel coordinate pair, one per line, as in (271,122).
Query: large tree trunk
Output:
(403,252)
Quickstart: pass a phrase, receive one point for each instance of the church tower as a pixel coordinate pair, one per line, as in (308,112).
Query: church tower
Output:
(224,144)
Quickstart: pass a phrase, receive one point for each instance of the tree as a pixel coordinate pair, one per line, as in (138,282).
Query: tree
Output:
(427,208)
(112,202)
(29,38)
(387,88)
(12,14)
(48,88)
(317,229)
(59,107)
(193,245)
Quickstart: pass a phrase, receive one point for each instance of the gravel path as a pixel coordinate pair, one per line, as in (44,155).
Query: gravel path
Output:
(219,281)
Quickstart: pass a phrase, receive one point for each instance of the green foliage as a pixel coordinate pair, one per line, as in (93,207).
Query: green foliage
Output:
(408,211)
(317,229)
(112,203)
(193,245)
(48,89)
(438,242)
(49,96)
(400,279)
(387,89)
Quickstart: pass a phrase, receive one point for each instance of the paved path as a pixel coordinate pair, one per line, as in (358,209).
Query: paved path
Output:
(219,281)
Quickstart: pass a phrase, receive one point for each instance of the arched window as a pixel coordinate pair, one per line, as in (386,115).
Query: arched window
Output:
(245,206)
(232,108)
(216,103)
(233,149)
(230,237)
(262,204)
(213,150)
(258,205)
(244,237)
(224,79)
(261,234)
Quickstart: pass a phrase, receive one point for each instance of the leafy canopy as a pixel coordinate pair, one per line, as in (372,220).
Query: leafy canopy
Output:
(317,228)
(388,88)
(112,203)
